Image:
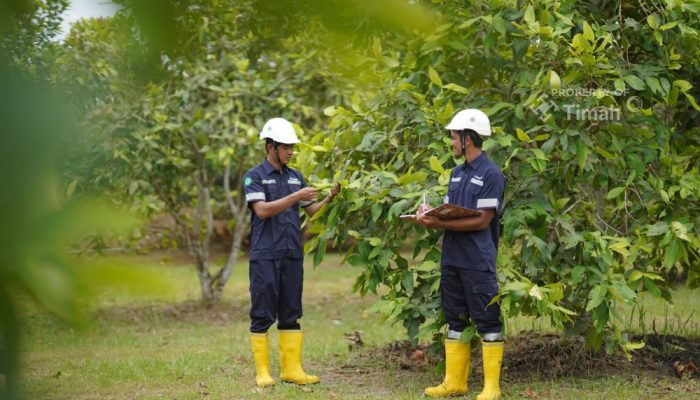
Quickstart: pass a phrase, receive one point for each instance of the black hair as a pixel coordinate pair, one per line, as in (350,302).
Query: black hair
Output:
(474,137)
(267,142)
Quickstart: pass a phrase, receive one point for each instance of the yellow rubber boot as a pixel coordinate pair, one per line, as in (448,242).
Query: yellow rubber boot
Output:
(262,359)
(457,358)
(493,358)
(290,359)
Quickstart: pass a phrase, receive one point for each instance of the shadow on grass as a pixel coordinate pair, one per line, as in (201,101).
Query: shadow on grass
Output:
(184,312)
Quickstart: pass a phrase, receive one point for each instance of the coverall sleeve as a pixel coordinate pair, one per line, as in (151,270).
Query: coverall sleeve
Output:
(491,196)
(253,188)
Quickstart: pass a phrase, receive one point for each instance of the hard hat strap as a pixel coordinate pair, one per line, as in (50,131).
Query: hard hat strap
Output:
(462,134)
(275,143)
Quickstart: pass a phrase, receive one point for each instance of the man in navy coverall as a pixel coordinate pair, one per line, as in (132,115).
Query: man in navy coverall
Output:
(468,279)
(274,193)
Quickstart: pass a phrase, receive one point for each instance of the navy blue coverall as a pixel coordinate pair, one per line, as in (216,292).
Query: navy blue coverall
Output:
(276,256)
(468,280)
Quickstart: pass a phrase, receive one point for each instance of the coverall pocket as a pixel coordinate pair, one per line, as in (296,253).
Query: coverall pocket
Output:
(473,189)
(488,288)
(272,192)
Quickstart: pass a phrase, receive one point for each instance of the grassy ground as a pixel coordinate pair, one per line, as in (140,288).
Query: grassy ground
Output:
(165,346)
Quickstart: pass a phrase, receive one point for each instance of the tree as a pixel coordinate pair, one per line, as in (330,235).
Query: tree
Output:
(182,142)
(595,127)
(27,31)
(599,202)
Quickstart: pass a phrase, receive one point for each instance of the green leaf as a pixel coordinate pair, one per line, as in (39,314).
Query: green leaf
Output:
(529,16)
(500,25)
(355,234)
(657,229)
(565,19)
(615,192)
(619,85)
(434,77)
(635,276)
(668,25)
(588,32)
(376,211)
(539,154)
(435,165)
(680,231)
(330,111)
(536,292)
(554,80)
(634,81)
(654,85)
(455,88)
(581,154)
(625,292)
(468,334)
(672,253)
(659,38)
(652,287)
(652,21)
(604,153)
(596,296)
(631,346)
(355,260)
(71,188)
(320,253)
(522,135)
(683,85)
(691,99)
(498,107)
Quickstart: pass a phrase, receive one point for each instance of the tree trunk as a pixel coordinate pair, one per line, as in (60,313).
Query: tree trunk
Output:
(237,241)
(239,211)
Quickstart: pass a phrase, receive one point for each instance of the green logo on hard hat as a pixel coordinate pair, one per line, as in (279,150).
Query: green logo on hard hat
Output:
(248,181)
(472,119)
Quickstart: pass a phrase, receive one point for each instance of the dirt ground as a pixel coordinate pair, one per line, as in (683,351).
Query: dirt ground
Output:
(552,356)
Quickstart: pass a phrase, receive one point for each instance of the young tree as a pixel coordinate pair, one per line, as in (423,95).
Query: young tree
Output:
(181,143)
(600,182)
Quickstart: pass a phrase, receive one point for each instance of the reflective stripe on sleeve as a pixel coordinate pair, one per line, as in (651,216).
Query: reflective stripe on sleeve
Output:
(487,203)
(255,196)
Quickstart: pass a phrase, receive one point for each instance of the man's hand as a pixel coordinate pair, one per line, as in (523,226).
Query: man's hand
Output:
(307,194)
(313,208)
(426,221)
(334,192)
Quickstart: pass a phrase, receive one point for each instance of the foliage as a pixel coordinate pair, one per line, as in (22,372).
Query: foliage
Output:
(593,106)
(181,143)
(27,30)
(599,207)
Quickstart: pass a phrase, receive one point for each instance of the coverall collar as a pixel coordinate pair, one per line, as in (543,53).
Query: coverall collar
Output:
(477,162)
(269,168)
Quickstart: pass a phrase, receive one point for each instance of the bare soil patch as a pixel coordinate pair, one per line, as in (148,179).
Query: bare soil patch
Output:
(552,356)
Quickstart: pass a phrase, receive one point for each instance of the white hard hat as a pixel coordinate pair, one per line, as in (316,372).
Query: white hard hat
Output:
(472,119)
(280,130)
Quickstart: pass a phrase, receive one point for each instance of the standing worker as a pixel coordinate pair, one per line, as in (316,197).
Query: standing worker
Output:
(274,193)
(468,279)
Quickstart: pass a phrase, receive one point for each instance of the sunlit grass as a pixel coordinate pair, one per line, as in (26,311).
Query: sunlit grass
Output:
(160,345)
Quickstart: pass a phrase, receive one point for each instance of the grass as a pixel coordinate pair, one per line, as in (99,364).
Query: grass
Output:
(652,315)
(162,346)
